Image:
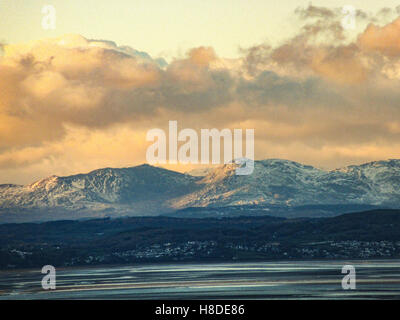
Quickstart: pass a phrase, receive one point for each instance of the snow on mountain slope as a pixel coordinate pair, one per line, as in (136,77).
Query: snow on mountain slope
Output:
(100,189)
(272,182)
(288,183)
(147,190)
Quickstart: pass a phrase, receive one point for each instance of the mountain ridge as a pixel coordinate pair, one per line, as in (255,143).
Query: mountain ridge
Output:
(149,190)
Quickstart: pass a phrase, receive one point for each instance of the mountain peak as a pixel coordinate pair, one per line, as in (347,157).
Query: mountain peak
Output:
(46,182)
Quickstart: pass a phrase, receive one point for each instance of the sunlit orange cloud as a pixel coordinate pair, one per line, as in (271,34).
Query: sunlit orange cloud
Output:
(385,40)
(70,105)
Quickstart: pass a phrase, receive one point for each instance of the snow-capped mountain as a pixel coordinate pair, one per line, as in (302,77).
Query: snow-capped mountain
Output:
(137,190)
(147,190)
(288,183)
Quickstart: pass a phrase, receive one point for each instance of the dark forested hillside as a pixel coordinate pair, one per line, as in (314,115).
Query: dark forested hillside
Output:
(372,234)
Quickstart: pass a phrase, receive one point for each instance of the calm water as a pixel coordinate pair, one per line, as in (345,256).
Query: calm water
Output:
(269,280)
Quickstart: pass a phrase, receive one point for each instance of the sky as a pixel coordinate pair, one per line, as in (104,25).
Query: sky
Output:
(166,28)
(80,97)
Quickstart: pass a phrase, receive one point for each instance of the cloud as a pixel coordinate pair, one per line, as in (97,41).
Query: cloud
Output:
(385,40)
(324,48)
(73,104)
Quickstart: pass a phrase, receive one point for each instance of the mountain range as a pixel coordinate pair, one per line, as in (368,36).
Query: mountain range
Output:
(275,186)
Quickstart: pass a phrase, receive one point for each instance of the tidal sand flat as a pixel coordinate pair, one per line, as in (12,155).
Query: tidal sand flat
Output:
(269,280)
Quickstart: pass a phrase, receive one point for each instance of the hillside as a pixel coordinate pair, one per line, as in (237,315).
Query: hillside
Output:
(372,234)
